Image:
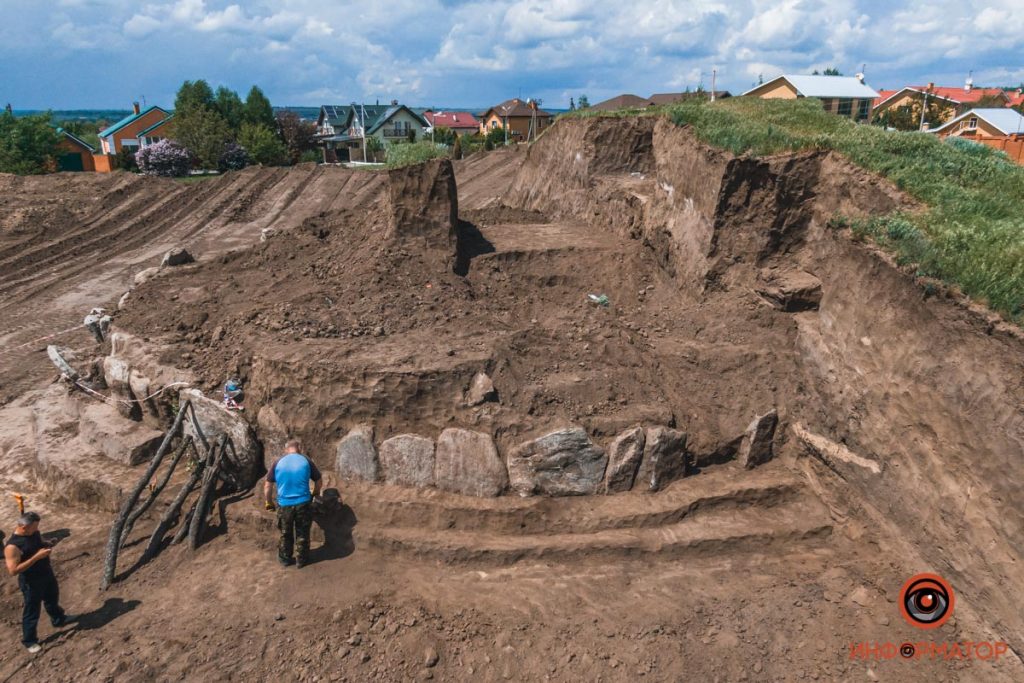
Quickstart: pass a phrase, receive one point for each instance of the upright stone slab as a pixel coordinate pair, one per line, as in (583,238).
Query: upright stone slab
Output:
(624,456)
(357,457)
(665,459)
(467,462)
(214,421)
(117,375)
(563,463)
(756,447)
(408,460)
(481,390)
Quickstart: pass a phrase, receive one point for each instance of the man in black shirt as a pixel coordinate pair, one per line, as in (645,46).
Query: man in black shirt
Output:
(28,558)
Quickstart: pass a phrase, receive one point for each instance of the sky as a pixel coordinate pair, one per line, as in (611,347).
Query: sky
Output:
(85,54)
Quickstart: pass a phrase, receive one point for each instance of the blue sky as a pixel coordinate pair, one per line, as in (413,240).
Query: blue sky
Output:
(70,54)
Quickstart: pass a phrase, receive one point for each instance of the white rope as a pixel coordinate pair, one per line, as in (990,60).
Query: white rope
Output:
(50,336)
(123,401)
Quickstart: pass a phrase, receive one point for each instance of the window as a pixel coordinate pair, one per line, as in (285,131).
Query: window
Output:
(845,107)
(494,123)
(973,123)
(864,110)
(826,104)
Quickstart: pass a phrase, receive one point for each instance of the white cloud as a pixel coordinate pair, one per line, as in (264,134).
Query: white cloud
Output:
(140,26)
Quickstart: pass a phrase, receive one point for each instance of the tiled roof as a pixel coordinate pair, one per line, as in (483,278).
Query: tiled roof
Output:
(620,102)
(451,119)
(514,108)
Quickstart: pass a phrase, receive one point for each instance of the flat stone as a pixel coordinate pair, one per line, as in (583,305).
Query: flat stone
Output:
(624,456)
(146,275)
(101,427)
(178,256)
(467,462)
(756,447)
(214,421)
(665,459)
(357,457)
(481,390)
(791,291)
(563,463)
(408,460)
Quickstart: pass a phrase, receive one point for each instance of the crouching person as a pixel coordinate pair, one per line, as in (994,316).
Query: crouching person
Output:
(292,474)
(28,557)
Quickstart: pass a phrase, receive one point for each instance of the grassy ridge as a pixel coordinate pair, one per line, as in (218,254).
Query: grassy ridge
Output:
(972,234)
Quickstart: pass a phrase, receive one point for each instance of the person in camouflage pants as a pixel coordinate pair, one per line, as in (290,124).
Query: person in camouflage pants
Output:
(294,522)
(292,474)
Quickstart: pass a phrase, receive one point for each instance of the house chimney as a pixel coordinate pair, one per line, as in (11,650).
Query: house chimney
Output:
(968,84)
(135,107)
(931,86)
(394,103)
(860,77)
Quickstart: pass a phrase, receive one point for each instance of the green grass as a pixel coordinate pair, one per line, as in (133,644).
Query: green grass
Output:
(408,153)
(970,235)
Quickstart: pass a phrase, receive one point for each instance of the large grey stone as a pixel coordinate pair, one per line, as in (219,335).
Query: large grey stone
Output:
(357,456)
(665,459)
(213,421)
(481,390)
(467,462)
(624,456)
(563,463)
(103,429)
(408,460)
(756,447)
(178,256)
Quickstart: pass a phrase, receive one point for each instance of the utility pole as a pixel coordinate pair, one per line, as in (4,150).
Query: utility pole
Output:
(924,111)
(714,75)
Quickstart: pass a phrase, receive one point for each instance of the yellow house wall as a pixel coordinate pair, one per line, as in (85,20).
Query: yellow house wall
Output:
(775,91)
(517,125)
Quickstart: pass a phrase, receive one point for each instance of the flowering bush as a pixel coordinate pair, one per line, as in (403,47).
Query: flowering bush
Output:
(234,158)
(164,158)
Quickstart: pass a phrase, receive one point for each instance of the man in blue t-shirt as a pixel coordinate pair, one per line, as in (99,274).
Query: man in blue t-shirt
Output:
(292,473)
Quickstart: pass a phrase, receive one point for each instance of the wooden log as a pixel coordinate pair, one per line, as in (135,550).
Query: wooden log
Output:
(141,510)
(114,540)
(173,512)
(198,522)
(186,521)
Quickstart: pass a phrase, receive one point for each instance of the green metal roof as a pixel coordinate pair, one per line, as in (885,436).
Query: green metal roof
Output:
(128,119)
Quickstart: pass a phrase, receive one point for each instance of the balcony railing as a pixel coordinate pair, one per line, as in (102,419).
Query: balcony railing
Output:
(396,132)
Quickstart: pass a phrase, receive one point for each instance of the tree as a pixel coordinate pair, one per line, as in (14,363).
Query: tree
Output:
(229,105)
(203,132)
(298,135)
(374,148)
(443,135)
(496,136)
(990,102)
(831,71)
(233,158)
(257,110)
(164,158)
(583,102)
(126,159)
(908,116)
(194,95)
(28,144)
(457,148)
(263,145)
(411,135)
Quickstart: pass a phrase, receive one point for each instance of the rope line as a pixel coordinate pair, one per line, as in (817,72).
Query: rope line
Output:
(50,336)
(124,401)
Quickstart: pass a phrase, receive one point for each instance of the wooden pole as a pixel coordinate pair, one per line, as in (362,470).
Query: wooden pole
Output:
(198,523)
(141,510)
(173,512)
(114,540)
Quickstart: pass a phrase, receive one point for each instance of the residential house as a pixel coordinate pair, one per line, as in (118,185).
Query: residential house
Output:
(841,95)
(625,101)
(157,132)
(125,133)
(955,100)
(629,101)
(1016,97)
(521,120)
(1001,128)
(341,130)
(76,154)
(461,122)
